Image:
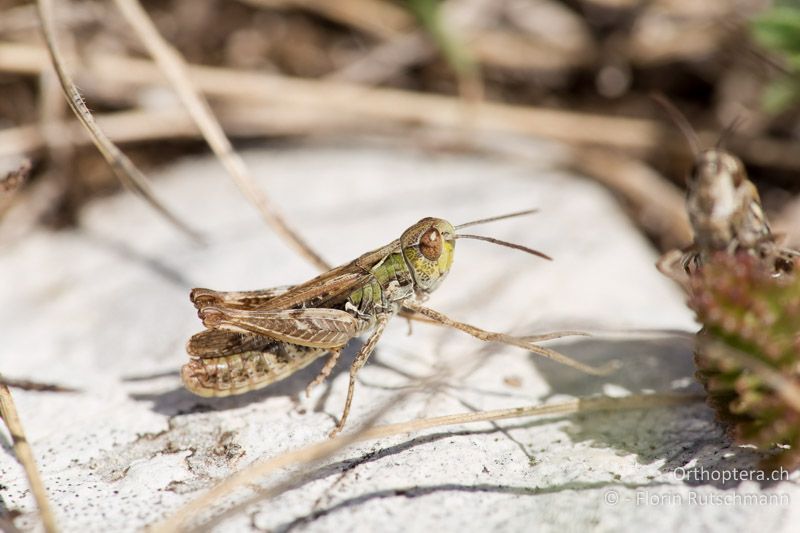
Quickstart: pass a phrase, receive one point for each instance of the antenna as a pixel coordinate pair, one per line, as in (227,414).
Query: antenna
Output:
(499,217)
(506,244)
(680,121)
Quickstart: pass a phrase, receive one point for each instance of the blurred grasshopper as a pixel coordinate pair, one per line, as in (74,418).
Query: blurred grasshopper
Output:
(724,210)
(256,338)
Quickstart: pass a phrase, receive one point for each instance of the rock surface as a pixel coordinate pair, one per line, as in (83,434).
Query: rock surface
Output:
(104,309)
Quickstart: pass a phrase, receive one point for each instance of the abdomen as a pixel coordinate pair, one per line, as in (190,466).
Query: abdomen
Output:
(246,371)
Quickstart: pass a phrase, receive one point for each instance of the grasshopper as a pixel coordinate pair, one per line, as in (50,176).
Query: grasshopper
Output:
(255,338)
(724,210)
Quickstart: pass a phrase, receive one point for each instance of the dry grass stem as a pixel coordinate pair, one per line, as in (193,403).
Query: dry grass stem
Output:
(255,471)
(315,452)
(130,176)
(369,104)
(379,107)
(22,449)
(394,105)
(28,385)
(174,68)
(150,125)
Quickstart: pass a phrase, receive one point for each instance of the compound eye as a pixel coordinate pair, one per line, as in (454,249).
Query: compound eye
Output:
(430,244)
(737,172)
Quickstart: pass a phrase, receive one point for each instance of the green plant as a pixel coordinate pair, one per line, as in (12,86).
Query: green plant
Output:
(778,31)
(748,352)
(454,51)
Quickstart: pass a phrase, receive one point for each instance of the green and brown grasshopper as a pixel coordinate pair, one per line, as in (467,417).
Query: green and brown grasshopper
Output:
(256,338)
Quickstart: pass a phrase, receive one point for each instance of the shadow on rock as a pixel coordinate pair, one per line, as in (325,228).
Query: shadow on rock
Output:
(421,491)
(154,264)
(663,363)
(693,445)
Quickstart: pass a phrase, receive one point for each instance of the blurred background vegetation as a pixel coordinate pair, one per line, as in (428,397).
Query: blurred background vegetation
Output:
(581,72)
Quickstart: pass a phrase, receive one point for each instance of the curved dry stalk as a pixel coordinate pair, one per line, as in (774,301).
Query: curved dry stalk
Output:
(130,176)
(174,68)
(29,385)
(320,450)
(22,448)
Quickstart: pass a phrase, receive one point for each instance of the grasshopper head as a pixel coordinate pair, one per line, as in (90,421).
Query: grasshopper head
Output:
(717,168)
(723,203)
(427,249)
